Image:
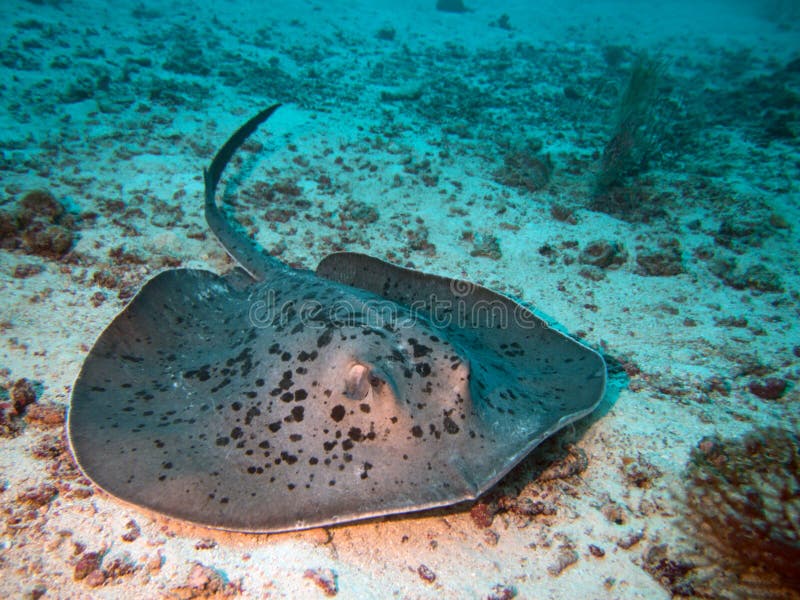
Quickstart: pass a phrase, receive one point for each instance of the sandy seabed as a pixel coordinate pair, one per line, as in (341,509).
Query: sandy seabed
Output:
(466,145)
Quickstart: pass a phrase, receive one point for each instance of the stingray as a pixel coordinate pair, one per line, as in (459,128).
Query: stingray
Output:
(273,399)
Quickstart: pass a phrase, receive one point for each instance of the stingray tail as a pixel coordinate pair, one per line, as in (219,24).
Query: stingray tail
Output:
(252,257)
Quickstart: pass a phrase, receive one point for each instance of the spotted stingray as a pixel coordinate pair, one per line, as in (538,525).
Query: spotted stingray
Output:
(274,399)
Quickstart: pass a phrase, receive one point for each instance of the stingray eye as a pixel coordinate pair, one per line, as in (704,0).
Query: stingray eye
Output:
(357,382)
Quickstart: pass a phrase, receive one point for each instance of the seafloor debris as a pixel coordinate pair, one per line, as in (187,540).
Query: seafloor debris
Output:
(454,6)
(426,573)
(21,394)
(525,167)
(770,388)
(502,592)
(603,254)
(756,277)
(204,583)
(566,556)
(325,579)
(661,261)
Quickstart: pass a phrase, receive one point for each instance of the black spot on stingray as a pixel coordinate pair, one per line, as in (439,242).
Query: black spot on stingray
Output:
(337,413)
(304,356)
(367,467)
(237,433)
(201,374)
(286,356)
(416,431)
(418,349)
(251,414)
(289,458)
(325,338)
(295,437)
(287,396)
(328,446)
(274,427)
(301,370)
(274,348)
(313,460)
(364,408)
(159,443)
(225,381)
(290,486)
(246,358)
(300,395)
(450,426)
(297,413)
(131,358)
(355,434)
(286,382)
(224,500)
(423,369)
(264,445)
(236,406)
(347,444)
(223,441)
(251,394)
(259,382)
(167,465)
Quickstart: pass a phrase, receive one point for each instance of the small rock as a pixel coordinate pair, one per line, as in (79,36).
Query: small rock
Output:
(482,515)
(614,513)
(325,579)
(771,388)
(566,556)
(491,537)
(426,574)
(133,532)
(761,279)
(630,540)
(40,204)
(22,394)
(603,254)
(27,270)
(319,536)
(95,579)
(38,496)
(454,6)
(45,415)
(596,551)
(486,245)
(574,463)
(502,592)
(664,261)
(89,562)
(387,34)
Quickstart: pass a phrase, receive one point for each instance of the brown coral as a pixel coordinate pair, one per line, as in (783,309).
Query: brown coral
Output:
(744,497)
(41,226)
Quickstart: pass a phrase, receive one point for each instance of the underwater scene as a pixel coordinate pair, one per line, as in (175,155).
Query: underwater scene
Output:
(429,299)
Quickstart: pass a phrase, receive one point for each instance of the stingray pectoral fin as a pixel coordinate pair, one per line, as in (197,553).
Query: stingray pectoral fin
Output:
(527,378)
